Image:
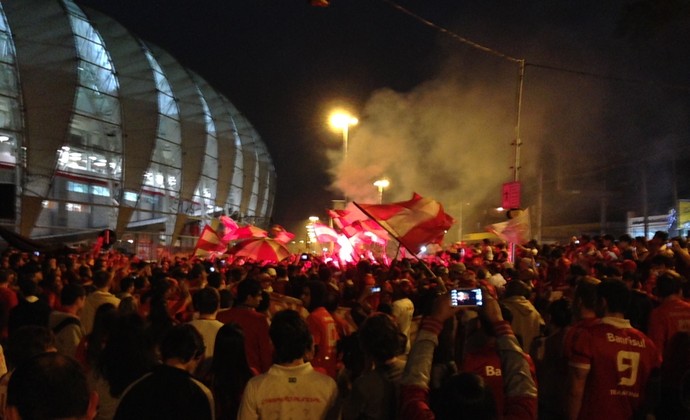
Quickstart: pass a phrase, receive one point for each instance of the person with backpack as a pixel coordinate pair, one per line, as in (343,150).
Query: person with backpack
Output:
(66,324)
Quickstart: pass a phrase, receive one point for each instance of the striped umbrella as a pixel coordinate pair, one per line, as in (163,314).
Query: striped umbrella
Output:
(261,249)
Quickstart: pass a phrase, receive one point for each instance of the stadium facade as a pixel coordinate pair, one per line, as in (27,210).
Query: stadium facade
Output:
(101,130)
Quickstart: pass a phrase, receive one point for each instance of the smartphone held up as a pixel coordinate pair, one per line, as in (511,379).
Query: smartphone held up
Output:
(466,297)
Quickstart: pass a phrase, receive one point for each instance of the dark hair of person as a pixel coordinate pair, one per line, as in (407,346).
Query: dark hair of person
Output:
(318,294)
(616,294)
(182,342)
(226,298)
(517,288)
(464,395)
(663,260)
(230,371)
(380,338)
(206,300)
(265,302)
(385,308)
(234,275)
(70,293)
(127,282)
(101,279)
(325,273)
(296,286)
(127,354)
(103,323)
(50,281)
(196,271)
(5,276)
(49,386)
(159,318)
(290,336)
(586,293)
(661,235)
(332,301)
(560,312)
(668,283)
(247,288)
(28,287)
(26,342)
(214,279)
(577,270)
(632,277)
(358,314)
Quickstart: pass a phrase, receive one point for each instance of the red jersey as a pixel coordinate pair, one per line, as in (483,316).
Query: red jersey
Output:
(574,332)
(619,359)
(257,342)
(486,363)
(325,333)
(672,316)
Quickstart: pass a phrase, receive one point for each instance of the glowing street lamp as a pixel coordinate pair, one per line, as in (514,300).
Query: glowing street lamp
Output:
(341,120)
(381,184)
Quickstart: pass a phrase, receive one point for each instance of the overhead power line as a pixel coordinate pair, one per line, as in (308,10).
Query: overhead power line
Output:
(526,63)
(452,34)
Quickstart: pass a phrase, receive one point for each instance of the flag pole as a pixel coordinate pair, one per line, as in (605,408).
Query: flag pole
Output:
(440,283)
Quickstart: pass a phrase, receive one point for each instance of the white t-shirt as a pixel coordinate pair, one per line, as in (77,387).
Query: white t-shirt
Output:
(296,392)
(208,328)
(403,311)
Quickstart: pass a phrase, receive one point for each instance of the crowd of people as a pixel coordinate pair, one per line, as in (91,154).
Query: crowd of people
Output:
(595,328)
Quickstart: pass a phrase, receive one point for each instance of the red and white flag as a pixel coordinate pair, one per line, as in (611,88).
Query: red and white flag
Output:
(226,228)
(415,223)
(210,242)
(346,217)
(281,235)
(247,232)
(324,233)
(517,230)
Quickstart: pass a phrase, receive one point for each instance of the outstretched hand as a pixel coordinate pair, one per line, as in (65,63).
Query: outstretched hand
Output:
(442,310)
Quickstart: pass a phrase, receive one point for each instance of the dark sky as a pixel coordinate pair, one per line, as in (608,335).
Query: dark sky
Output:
(437,116)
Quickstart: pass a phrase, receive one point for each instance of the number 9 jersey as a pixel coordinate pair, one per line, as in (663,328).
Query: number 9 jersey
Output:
(619,359)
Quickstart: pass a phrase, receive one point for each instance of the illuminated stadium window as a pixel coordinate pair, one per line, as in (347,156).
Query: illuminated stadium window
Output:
(77,208)
(77,187)
(100,191)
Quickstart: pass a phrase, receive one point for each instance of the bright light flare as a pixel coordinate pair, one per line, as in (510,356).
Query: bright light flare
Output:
(382,183)
(341,120)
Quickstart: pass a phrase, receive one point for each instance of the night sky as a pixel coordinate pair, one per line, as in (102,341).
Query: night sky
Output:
(436,115)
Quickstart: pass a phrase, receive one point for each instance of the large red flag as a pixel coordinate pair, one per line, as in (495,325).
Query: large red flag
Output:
(415,223)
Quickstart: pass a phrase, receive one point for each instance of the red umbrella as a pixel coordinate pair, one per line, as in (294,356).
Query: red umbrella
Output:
(261,249)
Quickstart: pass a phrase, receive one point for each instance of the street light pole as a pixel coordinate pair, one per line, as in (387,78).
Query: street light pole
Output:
(342,120)
(381,184)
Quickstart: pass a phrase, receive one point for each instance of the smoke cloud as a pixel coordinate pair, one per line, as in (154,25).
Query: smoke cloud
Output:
(451,139)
